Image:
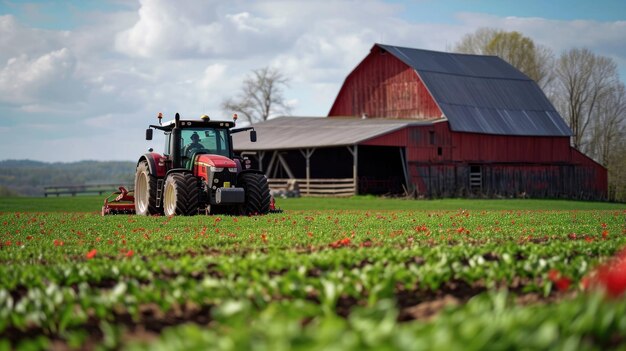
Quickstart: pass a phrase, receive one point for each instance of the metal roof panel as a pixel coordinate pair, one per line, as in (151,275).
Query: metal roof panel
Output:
(311,132)
(483,94)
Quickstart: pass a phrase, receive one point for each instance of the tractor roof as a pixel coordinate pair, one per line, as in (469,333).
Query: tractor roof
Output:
(169,125)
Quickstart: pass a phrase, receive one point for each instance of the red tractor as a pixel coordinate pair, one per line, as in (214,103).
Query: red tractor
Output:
(199,173)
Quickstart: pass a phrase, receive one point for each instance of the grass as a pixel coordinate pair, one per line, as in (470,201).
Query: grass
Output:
(94,203)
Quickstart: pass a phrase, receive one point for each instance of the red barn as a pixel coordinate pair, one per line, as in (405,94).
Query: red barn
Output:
(438,124)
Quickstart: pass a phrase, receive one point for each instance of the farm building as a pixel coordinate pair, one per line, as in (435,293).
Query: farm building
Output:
(435,124)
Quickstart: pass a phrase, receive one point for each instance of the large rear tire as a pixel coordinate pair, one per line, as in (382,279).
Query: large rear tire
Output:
(181,194)
(257,194)
(145,191)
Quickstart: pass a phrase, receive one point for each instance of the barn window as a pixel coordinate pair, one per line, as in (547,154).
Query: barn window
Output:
(431,135)
(439,151)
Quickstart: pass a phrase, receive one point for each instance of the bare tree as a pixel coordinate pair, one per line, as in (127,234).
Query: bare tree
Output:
(583,84)
(609,126)
(518,50)
(261,96)
(617,172)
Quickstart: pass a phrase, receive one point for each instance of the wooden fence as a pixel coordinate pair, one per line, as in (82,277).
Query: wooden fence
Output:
(315,187)
(86,189)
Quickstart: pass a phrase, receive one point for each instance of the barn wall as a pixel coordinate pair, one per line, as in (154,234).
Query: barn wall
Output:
(383,86)
(505,180)
(440,162)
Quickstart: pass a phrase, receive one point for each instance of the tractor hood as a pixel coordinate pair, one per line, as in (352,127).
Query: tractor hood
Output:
(215,161)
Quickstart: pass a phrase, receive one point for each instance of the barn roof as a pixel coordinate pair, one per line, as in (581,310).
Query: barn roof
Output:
(483,94)
(311,132)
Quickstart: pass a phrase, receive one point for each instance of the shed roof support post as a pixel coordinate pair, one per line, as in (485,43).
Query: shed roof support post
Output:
(307,153)
(354,150)
(259,158)
(271,164)
(409,186)
(285,166)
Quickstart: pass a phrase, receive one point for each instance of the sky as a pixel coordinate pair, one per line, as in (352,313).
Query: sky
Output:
(82,79)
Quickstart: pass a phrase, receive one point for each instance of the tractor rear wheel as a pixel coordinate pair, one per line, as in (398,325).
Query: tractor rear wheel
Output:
(145,191)
(181,195)
(257,190)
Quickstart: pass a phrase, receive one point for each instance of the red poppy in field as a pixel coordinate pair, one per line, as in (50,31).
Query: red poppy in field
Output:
(130,253)
(91,254)
(562,283)
(611,277)
(339,243)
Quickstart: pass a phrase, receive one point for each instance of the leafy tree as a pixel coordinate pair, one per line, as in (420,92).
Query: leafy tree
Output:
(520,51)
(261,96)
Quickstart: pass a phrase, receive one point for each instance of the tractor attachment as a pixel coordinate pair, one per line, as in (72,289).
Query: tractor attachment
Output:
(273,208)
(119,202)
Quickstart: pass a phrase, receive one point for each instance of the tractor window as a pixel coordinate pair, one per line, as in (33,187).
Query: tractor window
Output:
(166,150)
(213,140)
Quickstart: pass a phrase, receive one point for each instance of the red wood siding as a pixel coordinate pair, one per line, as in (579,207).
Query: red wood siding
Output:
(474,148)
(383,86)
(439,162)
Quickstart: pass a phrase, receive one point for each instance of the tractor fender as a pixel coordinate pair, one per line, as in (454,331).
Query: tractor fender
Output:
(178,170)
(156,164)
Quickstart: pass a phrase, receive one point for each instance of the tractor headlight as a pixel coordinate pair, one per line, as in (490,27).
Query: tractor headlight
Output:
(216,169)
(232,169)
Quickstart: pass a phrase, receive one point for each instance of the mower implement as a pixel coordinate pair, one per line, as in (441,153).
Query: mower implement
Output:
(119,202)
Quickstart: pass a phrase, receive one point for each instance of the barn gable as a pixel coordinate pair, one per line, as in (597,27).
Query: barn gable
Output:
(477,94)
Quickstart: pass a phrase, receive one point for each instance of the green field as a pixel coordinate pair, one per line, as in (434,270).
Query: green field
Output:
(327,274)
(94,203)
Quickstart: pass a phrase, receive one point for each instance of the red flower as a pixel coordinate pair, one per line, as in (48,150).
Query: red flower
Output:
(562,283)
(339,243)
(611,277)
(91,254)
(130,253)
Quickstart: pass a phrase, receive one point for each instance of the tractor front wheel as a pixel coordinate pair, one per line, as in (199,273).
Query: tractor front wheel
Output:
(181,195)
(257,201)
(145,191)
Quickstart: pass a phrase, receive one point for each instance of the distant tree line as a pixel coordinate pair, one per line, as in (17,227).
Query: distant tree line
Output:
(28,178)
(584,87)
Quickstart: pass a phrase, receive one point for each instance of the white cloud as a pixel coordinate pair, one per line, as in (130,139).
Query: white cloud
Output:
(603,38)
(49,77)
